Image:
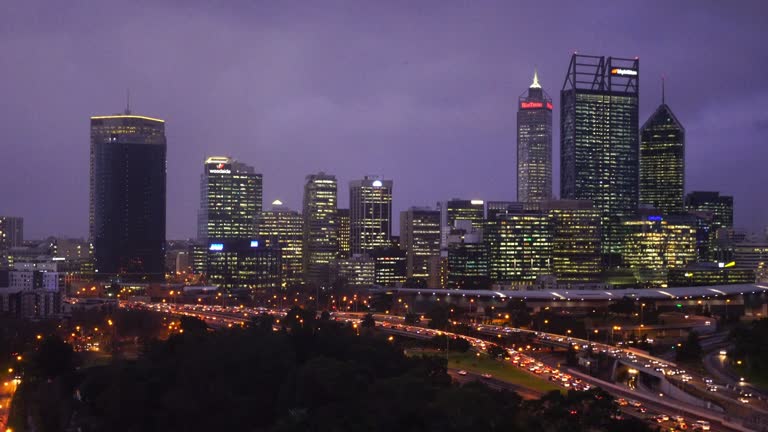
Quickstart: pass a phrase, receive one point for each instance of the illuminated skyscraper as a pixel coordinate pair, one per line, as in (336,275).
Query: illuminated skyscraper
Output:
(420,238)
(456,210)
(467,258)
(390,266)
(719,206)
(11,232)
(321,229)
(127,197)
(653,245)
(599,140)
(534,144)
(370,214)
(519,246)
(344,243)
(242,264)
(230,200)
(282,229)
(662,161)
(718,211)
(575,240)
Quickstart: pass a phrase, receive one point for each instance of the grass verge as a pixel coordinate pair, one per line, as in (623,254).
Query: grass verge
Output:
(501,370)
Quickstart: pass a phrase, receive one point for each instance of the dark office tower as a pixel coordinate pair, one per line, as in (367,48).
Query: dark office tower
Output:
(420,238)
(459,210)
(534,144)
(282,228)
(662,161)
(599,140)
(230,200)
(494,209)
(321,229)
(370,214)
(243,264)
(11,232)
(519,246)
(575,240)
(719,206)
(127,208)
(717,211)
(344,244)
(389,266)
(467,258)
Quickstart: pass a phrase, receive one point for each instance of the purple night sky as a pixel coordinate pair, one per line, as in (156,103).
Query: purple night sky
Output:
(422,92)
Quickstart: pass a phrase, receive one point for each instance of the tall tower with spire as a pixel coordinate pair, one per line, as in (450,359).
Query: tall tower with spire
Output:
(662,160)
(534,144)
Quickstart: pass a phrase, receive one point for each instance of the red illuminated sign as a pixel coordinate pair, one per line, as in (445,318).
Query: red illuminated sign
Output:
(535,105)
(531,105)
(220,166)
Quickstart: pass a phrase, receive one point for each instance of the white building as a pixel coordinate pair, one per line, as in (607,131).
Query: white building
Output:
(31,291)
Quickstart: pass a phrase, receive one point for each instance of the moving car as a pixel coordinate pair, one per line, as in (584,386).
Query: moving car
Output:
(462,372)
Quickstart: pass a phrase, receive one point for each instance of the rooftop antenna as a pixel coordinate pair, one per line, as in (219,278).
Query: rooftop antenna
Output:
(663,96)
(127,101)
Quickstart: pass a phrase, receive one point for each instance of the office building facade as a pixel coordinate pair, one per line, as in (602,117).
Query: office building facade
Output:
(342,216)
(357,271)
(599,140)
(576,237)
(720,206)
(662,162)
(11,232)
(370,214)
(467,258)
(519,246)
(390,266)
(455,210)
(534,144)
(230,200)
(420,238)
(243,264)
(127,197)
(653,245)
(321,228)
(283,229)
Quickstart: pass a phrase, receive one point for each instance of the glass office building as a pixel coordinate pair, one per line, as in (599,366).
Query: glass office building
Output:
(534,144)
(662,162)
(321,227)
(127,197)
(599,140)
(230,200)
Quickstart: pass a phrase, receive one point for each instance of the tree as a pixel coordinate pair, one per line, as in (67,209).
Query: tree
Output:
(368,321)
(438,317)
(519,313)
(411,318)
(262,322)
(496,351)
(571,356)
(690,350)
(54,358)
(625,306)
(298,319)
(193,325)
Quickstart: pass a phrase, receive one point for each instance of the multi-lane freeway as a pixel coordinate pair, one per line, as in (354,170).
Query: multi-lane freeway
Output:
(220,316)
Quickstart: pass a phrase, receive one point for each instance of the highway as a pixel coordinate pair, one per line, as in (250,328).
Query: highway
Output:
(219,316)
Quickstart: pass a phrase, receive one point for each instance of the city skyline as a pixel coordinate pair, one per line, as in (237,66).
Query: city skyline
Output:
(371,109)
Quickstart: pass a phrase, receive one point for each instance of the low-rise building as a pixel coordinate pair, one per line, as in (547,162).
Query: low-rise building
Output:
(31,291)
